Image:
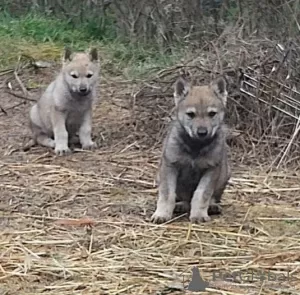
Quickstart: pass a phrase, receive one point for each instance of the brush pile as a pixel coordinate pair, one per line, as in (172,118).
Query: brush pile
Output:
(264,94)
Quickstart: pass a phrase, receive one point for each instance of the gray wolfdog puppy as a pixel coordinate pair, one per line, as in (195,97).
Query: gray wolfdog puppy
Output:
(194,169)
(65,108)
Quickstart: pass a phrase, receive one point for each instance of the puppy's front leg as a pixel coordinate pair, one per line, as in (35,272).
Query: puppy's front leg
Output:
(166,193)
(60,132)
(201,198)
(85,131)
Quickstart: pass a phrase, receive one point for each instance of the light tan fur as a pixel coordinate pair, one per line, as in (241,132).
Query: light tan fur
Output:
(194,170)
(65,108)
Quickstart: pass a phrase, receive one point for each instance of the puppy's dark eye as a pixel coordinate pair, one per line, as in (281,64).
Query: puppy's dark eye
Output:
(74,76)
(89,75)
(212,113)
(191,115)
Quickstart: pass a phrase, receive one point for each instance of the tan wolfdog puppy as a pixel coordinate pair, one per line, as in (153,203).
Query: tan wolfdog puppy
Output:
(65,108)
(194,170)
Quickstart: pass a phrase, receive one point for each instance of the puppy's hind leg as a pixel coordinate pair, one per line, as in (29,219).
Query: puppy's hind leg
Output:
(39,136)
(40,139)
(182,207)
(214,207)
(45,141)
(74,139)
(183,204)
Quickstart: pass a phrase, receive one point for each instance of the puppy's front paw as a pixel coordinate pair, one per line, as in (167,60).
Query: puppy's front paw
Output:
(200,216)
(89,146)
(61,150)
(201,219)
(160,216)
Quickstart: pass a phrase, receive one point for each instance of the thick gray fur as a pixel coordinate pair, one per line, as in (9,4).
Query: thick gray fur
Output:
(194,171)
(65,108)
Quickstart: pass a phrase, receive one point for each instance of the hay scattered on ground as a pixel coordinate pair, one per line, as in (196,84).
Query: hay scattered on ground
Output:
(45,247)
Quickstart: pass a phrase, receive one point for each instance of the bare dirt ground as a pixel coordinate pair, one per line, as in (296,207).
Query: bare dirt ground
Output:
(123,253)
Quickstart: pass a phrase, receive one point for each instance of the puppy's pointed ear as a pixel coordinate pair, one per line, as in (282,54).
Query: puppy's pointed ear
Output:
(93,53)
(219,86)
(67,55)
(181,90)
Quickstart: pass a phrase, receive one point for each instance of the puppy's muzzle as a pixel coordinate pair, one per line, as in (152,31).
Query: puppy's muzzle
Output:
(202,132)
(83,91)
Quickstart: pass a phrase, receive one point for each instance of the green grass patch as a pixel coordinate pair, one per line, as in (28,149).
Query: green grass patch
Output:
(49,29)
(43,38)
(138,61)
(12,48)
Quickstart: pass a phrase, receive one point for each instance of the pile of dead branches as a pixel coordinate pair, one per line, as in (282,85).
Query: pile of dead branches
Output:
(264,96)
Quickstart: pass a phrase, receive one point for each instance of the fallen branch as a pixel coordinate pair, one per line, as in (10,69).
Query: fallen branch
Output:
(20,96)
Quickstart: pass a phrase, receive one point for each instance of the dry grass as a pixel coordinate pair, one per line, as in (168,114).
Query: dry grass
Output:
(122,253)
(80,224)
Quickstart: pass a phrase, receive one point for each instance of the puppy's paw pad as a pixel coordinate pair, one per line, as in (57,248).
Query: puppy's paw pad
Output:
(159,218)
(62,151)
(90,146)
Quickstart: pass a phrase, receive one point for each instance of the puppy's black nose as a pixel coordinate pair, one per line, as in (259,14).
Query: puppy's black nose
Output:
(83,89)
(202,131)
